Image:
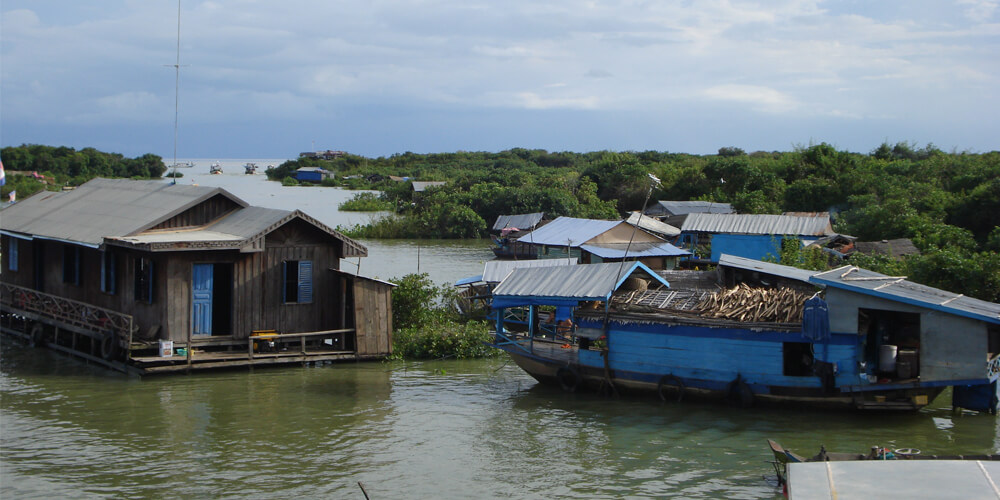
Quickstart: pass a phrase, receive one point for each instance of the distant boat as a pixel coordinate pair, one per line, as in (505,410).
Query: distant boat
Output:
(250,168)
(216,168)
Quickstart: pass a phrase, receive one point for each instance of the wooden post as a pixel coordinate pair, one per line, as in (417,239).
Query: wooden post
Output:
(190,348)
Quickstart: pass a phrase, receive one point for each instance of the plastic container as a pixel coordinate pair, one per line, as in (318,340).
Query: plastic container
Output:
(166,348)
(887,358)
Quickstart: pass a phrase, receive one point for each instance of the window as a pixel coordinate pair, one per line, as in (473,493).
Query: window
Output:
(12,254)
(109,263)
(144,280)
(798,359)
(71,265)
(298,281)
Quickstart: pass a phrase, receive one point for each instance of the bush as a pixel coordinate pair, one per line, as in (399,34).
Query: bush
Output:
(289,181)
(366,202)
(428,327)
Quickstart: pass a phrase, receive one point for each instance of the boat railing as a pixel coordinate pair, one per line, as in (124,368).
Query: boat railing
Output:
(68,312)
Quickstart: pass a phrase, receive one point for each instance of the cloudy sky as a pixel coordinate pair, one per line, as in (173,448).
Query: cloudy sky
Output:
(268,79)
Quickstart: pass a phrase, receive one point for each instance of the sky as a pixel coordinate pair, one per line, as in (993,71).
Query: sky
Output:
(267,79)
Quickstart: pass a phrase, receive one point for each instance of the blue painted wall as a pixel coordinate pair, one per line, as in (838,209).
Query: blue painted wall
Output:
(309,176)
(718,355)
(750,246)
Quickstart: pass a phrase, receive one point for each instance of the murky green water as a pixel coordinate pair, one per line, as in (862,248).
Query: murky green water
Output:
(415,430)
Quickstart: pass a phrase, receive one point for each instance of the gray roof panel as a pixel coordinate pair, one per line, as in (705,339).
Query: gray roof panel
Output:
(652,225)
(494,271)
(635,250)
(767,267)
(580,282)
(898,289)
(690,207)
(103,208)
(758,224)
(568,231)
(522,221)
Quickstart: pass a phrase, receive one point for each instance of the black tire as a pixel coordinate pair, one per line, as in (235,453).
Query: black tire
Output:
(670,381)
(36,336)
(568,378)
(109,345)
(739,393)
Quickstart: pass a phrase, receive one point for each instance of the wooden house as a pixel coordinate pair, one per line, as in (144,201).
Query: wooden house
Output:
(144,264)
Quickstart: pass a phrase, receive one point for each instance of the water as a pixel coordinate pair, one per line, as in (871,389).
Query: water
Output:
(448,429)
(455,429)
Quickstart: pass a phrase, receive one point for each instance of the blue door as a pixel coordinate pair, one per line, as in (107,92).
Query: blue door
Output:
(201,299)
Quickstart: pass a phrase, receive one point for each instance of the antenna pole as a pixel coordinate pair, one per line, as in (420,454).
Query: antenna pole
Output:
(177,85)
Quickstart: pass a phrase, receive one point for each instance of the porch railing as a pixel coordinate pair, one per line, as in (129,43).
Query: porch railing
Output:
(69,312)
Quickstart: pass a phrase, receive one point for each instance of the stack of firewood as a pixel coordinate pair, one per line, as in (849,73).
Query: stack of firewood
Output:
(758,305)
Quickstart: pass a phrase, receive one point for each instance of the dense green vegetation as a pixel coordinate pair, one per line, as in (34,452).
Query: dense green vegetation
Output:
(427,326)
(366,202)
(69,167)
(947,203)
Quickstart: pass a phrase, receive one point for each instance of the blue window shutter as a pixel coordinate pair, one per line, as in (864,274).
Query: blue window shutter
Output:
(305,281)
(12,254)
(104,271)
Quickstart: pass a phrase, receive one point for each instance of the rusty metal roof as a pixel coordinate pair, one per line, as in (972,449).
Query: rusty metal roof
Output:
(758,224)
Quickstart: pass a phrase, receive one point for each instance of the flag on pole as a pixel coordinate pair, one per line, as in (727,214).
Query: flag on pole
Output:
(3,177)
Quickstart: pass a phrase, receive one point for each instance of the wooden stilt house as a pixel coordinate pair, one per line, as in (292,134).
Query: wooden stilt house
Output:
(116,270)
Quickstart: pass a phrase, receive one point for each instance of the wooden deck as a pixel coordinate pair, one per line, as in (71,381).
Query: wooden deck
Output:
(104,337)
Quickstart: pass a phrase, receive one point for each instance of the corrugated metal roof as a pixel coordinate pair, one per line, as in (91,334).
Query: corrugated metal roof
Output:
(104,207)
(311,169)
(420,186)
(121,209)
(766,267)
(690,207)
(580,282)
(757,224)
(898,289)
(635,250)
(568,231)
(522,221)
(494,271)
(652,225)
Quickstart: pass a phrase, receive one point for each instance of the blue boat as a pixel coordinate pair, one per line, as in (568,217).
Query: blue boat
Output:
(847,338)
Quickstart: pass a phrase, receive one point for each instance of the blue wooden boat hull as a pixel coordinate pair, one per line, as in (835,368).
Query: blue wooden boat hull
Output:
(743,366)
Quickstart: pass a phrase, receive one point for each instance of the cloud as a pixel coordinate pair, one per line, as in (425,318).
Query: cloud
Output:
(531,100)
(760,98)
(979,10)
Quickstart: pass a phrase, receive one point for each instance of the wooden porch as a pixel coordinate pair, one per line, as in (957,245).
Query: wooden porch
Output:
(109,338)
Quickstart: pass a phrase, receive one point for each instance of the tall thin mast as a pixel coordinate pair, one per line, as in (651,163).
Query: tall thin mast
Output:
(177,85)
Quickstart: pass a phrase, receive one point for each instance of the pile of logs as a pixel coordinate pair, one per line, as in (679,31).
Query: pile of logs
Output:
(758,305)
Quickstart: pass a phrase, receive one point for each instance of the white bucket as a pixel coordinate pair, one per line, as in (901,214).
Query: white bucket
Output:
(166,348)
(887,358)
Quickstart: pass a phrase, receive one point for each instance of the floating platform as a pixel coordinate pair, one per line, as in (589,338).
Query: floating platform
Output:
(910,479)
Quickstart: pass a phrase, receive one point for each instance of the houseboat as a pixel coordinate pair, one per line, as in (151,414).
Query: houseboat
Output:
(130,273)
(750,332)
(250,168)
(505,233)
(215,168)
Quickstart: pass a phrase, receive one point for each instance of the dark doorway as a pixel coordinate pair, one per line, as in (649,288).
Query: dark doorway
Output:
(38,258)
(888,336)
